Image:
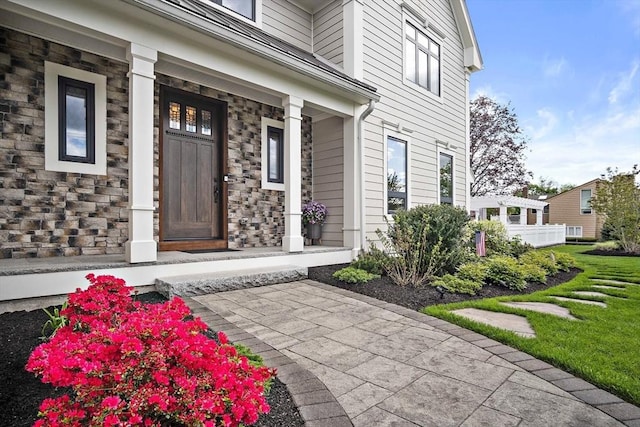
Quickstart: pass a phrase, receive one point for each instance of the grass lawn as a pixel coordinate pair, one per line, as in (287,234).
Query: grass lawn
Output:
(603,346)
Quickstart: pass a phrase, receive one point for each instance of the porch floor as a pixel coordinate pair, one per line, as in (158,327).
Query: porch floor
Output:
(19,266)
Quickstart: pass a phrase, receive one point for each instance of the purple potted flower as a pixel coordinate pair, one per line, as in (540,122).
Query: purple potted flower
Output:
(313,217)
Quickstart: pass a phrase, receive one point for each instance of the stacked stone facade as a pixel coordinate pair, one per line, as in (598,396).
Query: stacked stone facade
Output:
(45,213)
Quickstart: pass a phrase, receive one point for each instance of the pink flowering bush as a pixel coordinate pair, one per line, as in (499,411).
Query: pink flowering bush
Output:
(149,365)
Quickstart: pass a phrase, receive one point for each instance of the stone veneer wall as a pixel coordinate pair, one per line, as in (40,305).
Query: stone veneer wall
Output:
(264,209)
(45,213)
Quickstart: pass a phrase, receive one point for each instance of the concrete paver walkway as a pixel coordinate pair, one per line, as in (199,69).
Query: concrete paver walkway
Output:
(581,301)
(349,359)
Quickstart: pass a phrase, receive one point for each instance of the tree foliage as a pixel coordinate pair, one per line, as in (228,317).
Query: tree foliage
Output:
(618,199)
(498,146)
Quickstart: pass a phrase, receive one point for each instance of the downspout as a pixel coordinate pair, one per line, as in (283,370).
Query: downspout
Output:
(363,116)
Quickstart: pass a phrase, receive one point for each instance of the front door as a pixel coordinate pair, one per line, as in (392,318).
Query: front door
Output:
(193,191)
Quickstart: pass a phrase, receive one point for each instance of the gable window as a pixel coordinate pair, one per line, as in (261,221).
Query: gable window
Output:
(422,59)
(246,8)
(396,174)
(272,154)
(585,202)
(75,120)
(446,179)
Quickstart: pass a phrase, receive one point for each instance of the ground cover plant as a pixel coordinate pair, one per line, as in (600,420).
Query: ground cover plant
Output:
(601,347)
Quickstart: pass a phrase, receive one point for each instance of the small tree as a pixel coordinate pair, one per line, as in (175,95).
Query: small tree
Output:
(617,198)
(497,148)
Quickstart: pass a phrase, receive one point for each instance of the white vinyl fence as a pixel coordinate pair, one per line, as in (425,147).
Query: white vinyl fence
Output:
(539,235)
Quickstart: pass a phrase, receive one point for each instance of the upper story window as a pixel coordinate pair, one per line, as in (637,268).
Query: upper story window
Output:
(422,59)
(446,179)
(246,8)
(397,174)
(585,202)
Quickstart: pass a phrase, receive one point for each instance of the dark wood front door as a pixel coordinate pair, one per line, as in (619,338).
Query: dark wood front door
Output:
(193,190)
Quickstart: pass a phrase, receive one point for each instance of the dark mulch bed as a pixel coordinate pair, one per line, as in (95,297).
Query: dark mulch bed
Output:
(21,393)
(417,298)
(610,252)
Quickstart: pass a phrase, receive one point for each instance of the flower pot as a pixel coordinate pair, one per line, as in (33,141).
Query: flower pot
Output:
(314,231)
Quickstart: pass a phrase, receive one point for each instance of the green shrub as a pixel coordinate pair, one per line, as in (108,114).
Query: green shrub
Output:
(542,259)
(374,261)
(474,271)
(496,238)
(354,275)
(533,273)
(426,241)
(458,285)
(517,247)
(609,245)
(505,271)
(563,260)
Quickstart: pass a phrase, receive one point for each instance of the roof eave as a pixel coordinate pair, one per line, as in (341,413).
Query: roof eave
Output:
(169,11)
(472,56)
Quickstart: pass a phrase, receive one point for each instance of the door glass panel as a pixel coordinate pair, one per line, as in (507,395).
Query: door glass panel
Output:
(190,119)
(206,122)
(435,49)
(174,115)
(76,114)
(411,32)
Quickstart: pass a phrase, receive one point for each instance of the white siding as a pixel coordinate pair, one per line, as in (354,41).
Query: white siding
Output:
(328,174)
(287,22)
(426,117)
(327,33)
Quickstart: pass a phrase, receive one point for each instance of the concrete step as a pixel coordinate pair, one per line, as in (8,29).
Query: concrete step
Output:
(209,283)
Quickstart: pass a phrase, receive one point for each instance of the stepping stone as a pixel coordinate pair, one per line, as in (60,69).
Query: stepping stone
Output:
(511,322)
(581,301)
(615,288)
(590,294)
(615,282)
(542,307)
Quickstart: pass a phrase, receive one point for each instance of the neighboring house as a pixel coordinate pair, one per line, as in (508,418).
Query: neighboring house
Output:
(132,126)
(573,208)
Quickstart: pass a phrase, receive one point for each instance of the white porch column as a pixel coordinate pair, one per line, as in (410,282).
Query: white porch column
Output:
(351,185)
(292,240)
(523,216)
(539,213)
(141,247)
(503,215)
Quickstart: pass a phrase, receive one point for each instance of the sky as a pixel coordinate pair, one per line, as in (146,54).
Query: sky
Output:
(570,70)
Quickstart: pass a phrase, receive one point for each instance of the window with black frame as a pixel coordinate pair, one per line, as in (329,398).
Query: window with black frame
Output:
(76,120)
(446,179)
(396,174)
(275,158)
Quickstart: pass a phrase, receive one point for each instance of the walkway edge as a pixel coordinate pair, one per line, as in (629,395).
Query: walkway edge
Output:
(586,392)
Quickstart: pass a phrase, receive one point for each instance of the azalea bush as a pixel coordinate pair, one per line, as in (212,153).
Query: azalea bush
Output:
(314,213)
(132,364)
